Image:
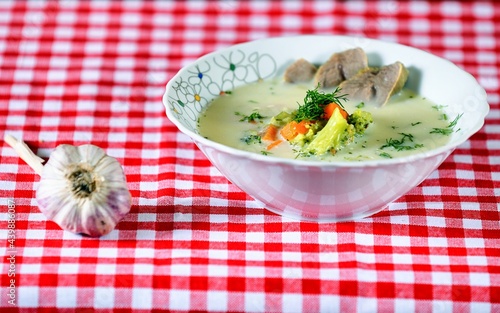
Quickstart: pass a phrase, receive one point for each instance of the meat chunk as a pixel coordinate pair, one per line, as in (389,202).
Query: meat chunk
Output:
(341,66)
(376,85)
(361,86)
(300,71)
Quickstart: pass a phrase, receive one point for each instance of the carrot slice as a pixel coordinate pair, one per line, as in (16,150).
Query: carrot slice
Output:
(289,130)
(330,108)
(270,134)
(301,127)
(274,144)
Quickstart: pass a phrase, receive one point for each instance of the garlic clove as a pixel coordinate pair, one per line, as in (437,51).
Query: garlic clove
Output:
(92,154)
(66,154)
(109,170)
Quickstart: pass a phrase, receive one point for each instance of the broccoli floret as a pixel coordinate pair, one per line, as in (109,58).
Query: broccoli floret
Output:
(348,135)
(339,132)
(330,137)
(360,120)
(302,139)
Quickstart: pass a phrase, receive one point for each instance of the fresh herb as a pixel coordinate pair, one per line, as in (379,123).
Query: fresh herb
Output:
(251,139)
(228,92)
(385,155)
(264,152)
(302,154)
(401,144)
(438,107)
(360,105)
(448,130)
(416,123)
(315,102)
(250,118)
(444,117)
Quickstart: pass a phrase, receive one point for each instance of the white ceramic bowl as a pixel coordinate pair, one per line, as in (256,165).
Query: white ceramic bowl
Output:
(319,191)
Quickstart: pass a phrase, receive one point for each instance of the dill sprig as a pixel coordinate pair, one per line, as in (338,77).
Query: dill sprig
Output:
(252,118)
(315,102)
(401,144)
(448,130)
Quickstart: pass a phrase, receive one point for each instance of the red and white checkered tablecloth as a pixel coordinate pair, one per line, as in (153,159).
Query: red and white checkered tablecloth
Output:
(95,72)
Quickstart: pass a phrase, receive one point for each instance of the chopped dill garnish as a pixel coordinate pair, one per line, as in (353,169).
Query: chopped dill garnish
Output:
(315,102)
(438,107)
(302,154)
(252,118)
(385,155)
(401,144)
(264,152)
(228,92)
(360,105)
(448,130)
(251,139)
(416,123)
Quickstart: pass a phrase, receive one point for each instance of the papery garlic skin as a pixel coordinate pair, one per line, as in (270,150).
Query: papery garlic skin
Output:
(83,190)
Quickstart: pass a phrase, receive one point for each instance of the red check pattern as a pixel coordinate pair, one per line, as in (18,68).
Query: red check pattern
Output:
(79,72)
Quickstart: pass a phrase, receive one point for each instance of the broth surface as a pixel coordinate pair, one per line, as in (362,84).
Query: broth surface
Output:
(405,115)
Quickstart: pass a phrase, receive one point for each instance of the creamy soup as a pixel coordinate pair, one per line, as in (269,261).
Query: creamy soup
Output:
(407,124)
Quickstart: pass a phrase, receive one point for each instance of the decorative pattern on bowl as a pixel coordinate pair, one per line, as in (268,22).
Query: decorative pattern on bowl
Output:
(217,74)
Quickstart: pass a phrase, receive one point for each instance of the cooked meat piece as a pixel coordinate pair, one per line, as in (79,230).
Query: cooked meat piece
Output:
(390,80)
(341,66)
(376,85)
(300,71)
(352,61)
(361,87)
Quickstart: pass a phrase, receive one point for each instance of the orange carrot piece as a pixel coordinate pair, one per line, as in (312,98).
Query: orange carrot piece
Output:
(301,127)
(330,108)
(274,144)
(271,132)
(289,130)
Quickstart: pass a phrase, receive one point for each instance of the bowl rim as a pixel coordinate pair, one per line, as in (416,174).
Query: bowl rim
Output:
(198,139)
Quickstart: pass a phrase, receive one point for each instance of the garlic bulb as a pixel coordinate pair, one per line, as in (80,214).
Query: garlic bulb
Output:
(83,190)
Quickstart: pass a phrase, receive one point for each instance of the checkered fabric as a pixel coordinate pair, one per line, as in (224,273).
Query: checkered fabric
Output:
(95,72)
